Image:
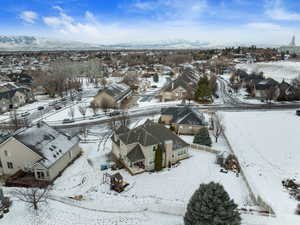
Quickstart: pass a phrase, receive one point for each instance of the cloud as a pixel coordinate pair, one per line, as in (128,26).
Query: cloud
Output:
(276,11)
(264,26)
(171,8)
(88,28)
(61,20)
(29,16)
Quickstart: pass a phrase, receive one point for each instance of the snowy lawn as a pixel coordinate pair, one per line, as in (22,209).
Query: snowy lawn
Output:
(171,186)
(267,145)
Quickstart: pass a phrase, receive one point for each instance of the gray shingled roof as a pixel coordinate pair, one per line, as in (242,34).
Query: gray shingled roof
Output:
(187,80)
(151,133)
(184,115)
(136,154)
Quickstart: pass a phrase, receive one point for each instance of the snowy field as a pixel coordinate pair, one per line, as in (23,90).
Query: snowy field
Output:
(277,70)
(151,198)
(267,145)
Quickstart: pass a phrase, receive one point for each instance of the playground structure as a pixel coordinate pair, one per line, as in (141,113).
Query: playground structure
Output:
(115,181)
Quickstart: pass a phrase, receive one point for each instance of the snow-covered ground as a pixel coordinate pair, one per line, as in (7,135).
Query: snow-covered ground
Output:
(267,145)
(280,70)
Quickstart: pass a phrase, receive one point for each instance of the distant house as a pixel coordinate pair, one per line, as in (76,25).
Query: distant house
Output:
(184,120)
(13,96)
(263,87)
(181,88)
(287,92)
(39,150)
(135,148)
(244,79)
(113,95)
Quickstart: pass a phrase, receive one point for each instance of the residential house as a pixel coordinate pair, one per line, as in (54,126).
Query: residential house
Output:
(287,92)
(264,87)
(39,150)
(184,120)
(181,88)
(13,96)
(135,148)
(114,95)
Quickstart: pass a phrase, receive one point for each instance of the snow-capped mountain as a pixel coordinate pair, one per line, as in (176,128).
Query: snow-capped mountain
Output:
(31,43)
(19,43)
(28,43)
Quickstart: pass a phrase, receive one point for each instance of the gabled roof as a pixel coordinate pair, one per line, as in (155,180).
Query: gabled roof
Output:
(136,154)
(47,142)
(184,115)
(151,133)
(266,84)
(117,91)
(187,80)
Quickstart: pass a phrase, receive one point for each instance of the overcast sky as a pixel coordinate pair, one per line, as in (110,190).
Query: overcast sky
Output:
(115,21)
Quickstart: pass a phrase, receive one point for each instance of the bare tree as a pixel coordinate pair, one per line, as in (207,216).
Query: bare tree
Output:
(103,82)
(32,196)
(95,108)
(271,94)
(71,113)
(218,127)
(213,85)
(105,105)
(82,109)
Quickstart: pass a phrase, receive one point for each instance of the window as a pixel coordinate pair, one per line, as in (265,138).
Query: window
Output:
(40,175)
(0,164)
(10,165)
(5,153)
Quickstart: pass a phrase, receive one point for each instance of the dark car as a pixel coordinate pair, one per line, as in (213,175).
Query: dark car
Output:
(25,114)
(68,121)
(41,108)
(57,107)
(114,113)
(298,112)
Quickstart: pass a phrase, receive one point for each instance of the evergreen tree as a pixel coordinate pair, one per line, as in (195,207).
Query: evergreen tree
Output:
(203,93)
(202,137)
(211,205)
(155,78)
(158,158)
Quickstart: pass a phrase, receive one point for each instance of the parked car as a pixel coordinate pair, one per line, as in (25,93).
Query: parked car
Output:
(41,108)
(25,114)
(57,107)
(68,121)
(114,113)
(298,112)
(52,103)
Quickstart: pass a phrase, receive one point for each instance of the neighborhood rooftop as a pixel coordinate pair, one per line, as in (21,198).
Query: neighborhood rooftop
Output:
(46,142)
(151,133)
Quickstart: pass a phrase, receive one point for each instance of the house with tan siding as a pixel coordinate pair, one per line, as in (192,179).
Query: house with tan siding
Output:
(39,150)
(114,94)
(135,148)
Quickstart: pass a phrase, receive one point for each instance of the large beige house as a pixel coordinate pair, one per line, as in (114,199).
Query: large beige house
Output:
(135,148)
(39,150)
(113,95)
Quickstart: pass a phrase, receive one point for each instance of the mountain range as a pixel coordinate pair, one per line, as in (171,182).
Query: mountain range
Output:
(31,43)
